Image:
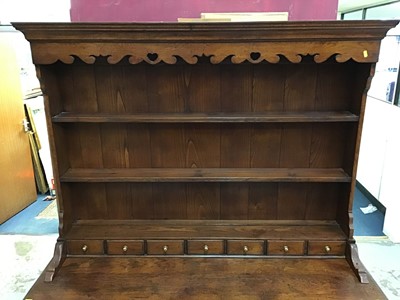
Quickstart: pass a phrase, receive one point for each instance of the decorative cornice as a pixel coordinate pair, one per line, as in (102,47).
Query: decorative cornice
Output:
(239,42)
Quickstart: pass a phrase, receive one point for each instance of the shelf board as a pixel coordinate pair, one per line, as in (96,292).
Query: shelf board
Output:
(268,117)
(207,229)
(206,175)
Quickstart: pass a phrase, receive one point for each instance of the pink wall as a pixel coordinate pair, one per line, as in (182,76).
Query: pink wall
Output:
(170,10)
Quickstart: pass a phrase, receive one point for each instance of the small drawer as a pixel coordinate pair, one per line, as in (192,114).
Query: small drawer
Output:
(246,247)
(326,247)
(85,247)
(165,247)
(285,248)
(122,247)
(204,247)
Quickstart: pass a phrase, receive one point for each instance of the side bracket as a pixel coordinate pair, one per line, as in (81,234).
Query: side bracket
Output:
(355,262)
(56,262)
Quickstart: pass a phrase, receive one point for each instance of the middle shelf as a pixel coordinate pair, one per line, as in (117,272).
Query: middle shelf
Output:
(265,117)
(206,175)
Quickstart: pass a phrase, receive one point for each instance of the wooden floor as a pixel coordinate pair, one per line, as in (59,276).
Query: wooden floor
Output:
(204,278)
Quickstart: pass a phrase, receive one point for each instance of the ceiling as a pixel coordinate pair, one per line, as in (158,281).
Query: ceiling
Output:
(348,5)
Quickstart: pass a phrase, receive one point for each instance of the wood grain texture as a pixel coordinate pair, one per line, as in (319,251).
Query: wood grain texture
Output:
(203,201)
(206,175)
(207,229)
(293,40)
(214,117)
(215,278)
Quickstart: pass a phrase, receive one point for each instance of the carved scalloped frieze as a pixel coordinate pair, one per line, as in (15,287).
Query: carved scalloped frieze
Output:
(151,53)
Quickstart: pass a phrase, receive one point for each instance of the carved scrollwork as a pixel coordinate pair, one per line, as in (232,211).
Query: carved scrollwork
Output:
(254,52)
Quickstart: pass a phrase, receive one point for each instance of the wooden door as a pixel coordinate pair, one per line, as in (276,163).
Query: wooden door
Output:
(17,183)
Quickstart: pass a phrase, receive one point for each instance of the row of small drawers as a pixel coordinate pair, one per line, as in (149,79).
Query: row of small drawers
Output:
(205,247)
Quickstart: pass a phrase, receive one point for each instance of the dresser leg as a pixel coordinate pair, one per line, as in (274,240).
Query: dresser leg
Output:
(355,262)
(56,262)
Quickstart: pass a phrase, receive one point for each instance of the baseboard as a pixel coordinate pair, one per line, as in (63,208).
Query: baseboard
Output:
(371,198)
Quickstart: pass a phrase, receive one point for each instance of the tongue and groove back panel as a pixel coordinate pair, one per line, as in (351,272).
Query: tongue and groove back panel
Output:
(212,89)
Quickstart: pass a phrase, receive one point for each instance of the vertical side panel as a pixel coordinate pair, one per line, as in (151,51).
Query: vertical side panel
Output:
(53,101)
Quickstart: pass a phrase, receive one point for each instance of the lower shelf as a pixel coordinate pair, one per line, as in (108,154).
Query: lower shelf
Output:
(202,278)
(188,229)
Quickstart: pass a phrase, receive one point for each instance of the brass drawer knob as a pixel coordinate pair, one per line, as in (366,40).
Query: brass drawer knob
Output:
(327,249)
(285,249)
(245,249)
(165,249)
(125,248)
(205,248)
(84,248)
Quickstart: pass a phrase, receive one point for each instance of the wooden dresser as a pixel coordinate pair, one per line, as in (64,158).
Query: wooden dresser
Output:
(205,160)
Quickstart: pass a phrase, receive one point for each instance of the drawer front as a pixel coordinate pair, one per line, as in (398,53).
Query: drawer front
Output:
(204,247)
(165,247)
(85,247)
(246,247)
(326,247)
(285,248)
(122,247)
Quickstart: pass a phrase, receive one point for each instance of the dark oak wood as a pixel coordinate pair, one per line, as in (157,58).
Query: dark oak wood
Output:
(285,117)
(205,175)
(137,229)
(172,142)
(286,248)
(205,278)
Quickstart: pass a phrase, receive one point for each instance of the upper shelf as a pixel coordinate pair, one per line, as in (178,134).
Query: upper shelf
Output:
(270,117)
(206,175)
